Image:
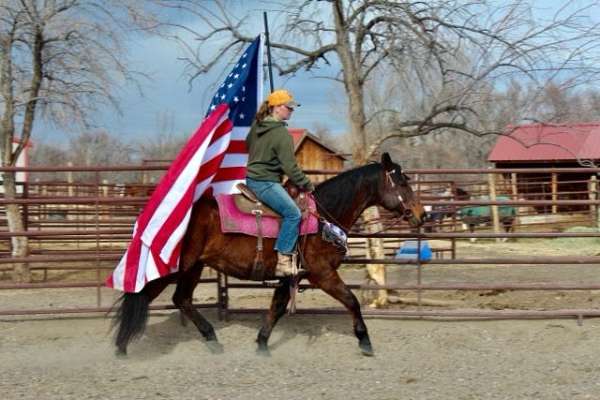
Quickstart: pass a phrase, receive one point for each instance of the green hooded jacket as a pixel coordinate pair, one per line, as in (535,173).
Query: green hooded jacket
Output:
(271,154)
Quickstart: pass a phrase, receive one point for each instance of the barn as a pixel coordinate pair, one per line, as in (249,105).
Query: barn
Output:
(543,146)
(312,153)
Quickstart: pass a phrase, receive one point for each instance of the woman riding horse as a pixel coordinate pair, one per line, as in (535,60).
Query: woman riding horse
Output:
(341,199)
(270,155)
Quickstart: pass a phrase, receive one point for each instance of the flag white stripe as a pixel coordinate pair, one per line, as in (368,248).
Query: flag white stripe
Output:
(239,132)
(167,251)
(144,260)
(235,160)
(216,149)
(226,187)
(119,273)
(151,269)
(201,187)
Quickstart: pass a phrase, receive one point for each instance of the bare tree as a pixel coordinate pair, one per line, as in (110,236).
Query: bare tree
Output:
(61,60)
(449,51)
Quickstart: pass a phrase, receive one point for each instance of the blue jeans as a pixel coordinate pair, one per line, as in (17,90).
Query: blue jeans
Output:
(275,197)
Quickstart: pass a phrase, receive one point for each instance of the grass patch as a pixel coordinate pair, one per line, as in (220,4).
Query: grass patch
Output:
(580,242)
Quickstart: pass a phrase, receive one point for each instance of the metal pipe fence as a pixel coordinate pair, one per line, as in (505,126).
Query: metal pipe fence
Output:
(85,227)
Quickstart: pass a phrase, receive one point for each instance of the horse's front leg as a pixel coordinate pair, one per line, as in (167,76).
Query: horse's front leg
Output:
(332,284)
(281,297)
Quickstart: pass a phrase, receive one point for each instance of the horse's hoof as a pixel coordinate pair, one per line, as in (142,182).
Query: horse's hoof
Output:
(366,349)
(263,351)
(121,353)
(215,347)
(367,352)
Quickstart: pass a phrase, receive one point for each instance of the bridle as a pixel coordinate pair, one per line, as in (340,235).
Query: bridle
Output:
(392,184)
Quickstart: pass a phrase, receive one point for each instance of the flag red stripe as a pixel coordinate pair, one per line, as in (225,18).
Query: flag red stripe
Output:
(132,263)
(237,146)
(175,255)
(229,174)
(223,130)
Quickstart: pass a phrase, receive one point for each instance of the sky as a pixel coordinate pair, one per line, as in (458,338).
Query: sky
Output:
(168,96)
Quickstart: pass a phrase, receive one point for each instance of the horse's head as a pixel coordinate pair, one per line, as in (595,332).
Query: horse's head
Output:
(397,195)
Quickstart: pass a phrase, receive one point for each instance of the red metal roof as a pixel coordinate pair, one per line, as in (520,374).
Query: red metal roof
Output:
(543,142)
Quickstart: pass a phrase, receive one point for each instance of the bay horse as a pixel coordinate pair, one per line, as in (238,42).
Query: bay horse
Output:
(340,200)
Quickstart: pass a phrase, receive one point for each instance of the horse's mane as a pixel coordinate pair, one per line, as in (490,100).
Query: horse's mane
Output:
(336,194)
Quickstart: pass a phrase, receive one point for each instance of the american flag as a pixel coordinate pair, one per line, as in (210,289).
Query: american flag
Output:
(213,161)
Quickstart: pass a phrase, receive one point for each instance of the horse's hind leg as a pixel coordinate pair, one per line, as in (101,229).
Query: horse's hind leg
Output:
(333,285)
(182,298)
(281,297)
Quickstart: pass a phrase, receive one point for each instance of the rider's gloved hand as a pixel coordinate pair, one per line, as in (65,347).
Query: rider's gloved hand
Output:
(309,188)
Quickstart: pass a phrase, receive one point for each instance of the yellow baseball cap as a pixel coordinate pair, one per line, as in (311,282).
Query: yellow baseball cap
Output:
(280,97)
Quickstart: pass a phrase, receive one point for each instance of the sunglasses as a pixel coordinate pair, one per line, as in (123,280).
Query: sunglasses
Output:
(289,108)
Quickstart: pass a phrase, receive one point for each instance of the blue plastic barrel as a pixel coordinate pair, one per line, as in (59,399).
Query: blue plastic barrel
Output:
(408,250)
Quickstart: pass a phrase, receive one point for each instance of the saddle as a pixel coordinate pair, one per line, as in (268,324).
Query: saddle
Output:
(248,203)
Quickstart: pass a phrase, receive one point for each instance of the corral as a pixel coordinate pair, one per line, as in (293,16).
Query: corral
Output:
(542,271)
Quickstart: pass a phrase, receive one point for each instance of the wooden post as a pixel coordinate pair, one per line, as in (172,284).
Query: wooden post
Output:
(554,192)
(495,214)
(105,208)
(70,180)
(44,214)
(454,211)
(513,185)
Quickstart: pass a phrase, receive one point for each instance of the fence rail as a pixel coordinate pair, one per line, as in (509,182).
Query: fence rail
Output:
(85,227)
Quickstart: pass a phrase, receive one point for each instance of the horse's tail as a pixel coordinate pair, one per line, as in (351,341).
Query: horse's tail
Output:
(132,313)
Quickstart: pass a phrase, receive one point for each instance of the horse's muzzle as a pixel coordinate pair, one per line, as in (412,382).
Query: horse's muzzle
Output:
(415,220)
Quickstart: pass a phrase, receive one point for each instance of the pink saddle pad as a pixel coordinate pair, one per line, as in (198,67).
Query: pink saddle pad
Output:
(234,221)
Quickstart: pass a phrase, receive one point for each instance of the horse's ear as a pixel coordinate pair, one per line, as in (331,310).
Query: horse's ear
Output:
(386,161)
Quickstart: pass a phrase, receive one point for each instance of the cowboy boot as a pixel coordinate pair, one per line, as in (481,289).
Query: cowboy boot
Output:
(284,265)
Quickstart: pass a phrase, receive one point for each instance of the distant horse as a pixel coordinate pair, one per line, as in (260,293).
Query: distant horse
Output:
(473,216)
(341,200)
(436,214)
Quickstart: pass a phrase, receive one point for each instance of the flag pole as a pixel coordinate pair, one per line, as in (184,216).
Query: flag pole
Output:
(270,67)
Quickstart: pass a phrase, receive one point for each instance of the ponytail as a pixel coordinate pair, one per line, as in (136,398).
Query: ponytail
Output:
(263,112)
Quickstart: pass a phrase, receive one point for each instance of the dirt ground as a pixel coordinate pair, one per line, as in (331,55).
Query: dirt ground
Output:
(317,357)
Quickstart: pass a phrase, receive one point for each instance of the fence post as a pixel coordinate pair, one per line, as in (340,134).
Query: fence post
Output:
(554,192)
(25,206)
(453,209)
(495,215)
(593,195)
(97,227)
